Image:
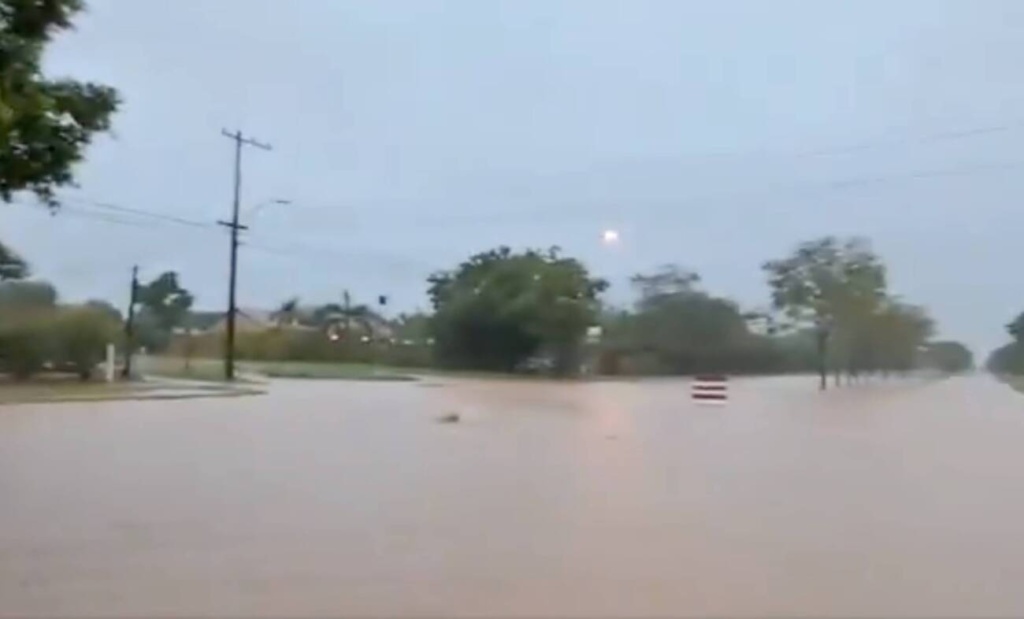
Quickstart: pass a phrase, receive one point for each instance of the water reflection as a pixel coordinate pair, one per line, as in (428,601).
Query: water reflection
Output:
(583,499)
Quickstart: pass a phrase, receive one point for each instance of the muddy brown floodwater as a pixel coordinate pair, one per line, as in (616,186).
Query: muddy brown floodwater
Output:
(601,499)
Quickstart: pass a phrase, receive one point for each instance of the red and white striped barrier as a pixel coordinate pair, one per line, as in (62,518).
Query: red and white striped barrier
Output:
(710,389)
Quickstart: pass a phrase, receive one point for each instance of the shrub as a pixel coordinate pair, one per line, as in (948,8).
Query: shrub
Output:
(26,344)
(303,345)
(81,336)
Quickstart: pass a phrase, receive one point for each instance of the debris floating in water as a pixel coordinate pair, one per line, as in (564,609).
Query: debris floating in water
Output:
(449,418)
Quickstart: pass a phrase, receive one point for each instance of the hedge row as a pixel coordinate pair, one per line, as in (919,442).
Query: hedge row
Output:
(69,339)
(286,344)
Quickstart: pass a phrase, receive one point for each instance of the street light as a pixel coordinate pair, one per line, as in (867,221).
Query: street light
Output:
(262,205)
(610,236)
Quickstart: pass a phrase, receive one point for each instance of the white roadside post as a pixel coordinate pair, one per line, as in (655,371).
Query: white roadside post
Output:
(593,339)
(110,363)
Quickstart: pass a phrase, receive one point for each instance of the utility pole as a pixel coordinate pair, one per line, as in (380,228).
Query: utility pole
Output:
(229,345)
(129,325)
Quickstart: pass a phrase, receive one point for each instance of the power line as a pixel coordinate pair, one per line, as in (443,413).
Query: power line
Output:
(155,215)
(940,136)
(146,219)
(925,138)
(305,251)
(584,211)
(568,210)
(320,255)
(101,217)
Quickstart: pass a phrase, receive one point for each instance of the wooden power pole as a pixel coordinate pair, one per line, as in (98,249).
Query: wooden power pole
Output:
(229,343)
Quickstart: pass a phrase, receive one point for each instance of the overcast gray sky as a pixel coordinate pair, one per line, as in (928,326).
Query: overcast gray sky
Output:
(409,134)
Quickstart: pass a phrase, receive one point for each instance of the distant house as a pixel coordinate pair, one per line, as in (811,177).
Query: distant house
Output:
(369,325)
(381,327)
(199,322)
(301,318)
(247,319)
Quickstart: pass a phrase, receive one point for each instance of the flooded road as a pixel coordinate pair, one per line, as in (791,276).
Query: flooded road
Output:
(599,499)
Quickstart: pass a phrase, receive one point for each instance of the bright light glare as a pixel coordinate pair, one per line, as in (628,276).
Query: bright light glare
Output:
(610,237)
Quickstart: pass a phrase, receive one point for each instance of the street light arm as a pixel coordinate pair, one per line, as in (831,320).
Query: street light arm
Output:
(262,205)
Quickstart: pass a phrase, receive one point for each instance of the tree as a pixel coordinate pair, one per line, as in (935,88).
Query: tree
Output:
(413,327)
(667,281)
(26,321)
(46,124)
(685,329)
(500,308)
(287,313)
(1009,359)
(27,295)
(26,343)
(1016,328)
(674,327)
(339,318)
(831,285)
(949,356)
(12,266)
(897,336)
(105,308)
(164,306)
(165,299)
(83,333)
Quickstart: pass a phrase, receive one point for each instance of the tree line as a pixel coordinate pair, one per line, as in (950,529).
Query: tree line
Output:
(37,333)
(1009,358)
(829,312)
(40,333)
(531,311)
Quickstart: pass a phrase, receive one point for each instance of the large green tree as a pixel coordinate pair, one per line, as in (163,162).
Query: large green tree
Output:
(832,285)
(45,124)
(164,305)
(500,308)
(1009,359)
(949,356)
(684,329)
(674,327)
(166,299)
(896,338)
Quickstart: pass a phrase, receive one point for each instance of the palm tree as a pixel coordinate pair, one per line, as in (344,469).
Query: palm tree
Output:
(359,313)
(335,317)
(287,313)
